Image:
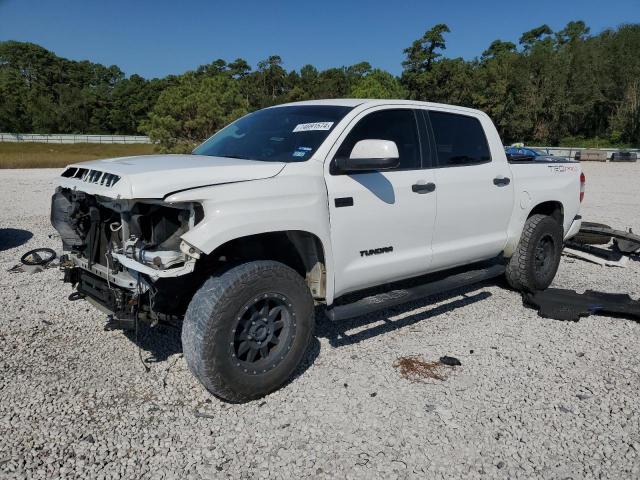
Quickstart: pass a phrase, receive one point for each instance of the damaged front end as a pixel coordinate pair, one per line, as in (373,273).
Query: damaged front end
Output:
(126,256)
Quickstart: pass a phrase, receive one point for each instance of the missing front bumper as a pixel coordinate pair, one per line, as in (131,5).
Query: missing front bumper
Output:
(120,302)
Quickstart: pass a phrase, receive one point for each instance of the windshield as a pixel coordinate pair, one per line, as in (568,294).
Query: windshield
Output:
(280,134)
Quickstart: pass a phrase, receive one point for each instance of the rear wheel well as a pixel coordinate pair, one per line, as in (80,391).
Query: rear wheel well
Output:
(552,209)
(300,250)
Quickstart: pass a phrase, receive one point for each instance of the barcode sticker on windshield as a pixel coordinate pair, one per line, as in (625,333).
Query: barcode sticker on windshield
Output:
(308,127)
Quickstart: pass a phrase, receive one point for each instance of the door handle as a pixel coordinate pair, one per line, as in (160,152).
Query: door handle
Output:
(501,181)
(423,187)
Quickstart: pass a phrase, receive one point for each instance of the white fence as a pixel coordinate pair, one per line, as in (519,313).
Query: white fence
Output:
(55,138)
(60,138)
(571,152)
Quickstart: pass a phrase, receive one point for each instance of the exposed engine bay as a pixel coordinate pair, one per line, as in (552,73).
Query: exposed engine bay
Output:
(126,256)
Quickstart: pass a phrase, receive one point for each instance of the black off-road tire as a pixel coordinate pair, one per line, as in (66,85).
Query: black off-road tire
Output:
(215,318)
(535,261)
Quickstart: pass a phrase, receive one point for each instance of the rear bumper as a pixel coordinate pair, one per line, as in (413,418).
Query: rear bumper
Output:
(574,228)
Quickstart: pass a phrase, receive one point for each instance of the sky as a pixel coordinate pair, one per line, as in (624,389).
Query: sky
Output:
(154,38)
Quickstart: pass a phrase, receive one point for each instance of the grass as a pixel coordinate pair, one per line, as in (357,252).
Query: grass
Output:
(51,155)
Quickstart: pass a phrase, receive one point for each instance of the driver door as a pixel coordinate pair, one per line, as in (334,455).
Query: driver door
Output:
(381,222)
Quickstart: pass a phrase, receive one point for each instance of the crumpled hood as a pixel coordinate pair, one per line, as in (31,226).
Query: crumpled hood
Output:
(156,176)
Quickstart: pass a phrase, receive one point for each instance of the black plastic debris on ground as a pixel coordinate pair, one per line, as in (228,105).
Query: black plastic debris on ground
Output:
(624,242)
(561,304)
(450,361)
(627,246)
(605,253)
(38,256)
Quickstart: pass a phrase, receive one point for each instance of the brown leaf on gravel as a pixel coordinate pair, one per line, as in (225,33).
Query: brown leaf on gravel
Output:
(415,369)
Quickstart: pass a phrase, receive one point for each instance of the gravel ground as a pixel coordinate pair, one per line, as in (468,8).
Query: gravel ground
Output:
(533,397)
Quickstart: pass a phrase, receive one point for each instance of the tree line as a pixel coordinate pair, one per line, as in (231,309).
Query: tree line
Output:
(563,88)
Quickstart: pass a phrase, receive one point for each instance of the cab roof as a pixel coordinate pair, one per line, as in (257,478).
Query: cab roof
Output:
(355,102)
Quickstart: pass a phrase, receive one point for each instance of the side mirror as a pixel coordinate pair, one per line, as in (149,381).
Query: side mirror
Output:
(370,155)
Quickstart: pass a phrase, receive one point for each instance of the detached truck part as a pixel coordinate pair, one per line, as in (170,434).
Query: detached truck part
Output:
(298,205)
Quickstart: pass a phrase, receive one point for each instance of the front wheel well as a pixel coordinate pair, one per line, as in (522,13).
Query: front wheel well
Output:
(302,251)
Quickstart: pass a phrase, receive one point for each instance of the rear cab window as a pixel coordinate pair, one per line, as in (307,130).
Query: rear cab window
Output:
(459,139)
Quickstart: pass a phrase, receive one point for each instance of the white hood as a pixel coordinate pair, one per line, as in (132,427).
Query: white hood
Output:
(155,176)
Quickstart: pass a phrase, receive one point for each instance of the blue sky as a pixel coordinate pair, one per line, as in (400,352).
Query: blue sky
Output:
(156,38)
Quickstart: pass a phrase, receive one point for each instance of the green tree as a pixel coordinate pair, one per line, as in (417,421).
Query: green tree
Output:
(498,88)
(131,101)
(14,114)
(272,76)
(573,33)
(332,83)
(239,68)
(557,88)
(214,68)
(498,49)
(309,79)
(195,108)
(378,84)
(424,51)
(534,36)
(419,60)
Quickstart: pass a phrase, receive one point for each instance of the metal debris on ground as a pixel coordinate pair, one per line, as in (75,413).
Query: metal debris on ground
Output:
(415,369)
(562,304)
(199,414)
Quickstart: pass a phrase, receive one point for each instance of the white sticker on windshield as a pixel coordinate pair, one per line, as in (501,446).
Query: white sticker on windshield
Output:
(308,127)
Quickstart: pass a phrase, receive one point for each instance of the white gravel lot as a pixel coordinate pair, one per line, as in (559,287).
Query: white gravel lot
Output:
(536,398)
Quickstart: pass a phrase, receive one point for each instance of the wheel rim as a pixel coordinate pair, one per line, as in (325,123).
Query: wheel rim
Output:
(263,333)
(544,255)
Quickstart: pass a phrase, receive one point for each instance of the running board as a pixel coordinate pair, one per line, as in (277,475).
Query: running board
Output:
(397,297)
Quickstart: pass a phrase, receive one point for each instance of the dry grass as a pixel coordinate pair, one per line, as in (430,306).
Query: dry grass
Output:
(415,369)
(50,155)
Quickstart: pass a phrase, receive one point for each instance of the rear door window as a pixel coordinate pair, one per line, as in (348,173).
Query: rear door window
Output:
(459,140)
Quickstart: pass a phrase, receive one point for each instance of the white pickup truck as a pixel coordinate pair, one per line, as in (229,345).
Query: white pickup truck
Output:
(298,205)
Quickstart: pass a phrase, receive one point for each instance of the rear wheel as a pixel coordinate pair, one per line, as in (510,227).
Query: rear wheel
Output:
(535,261)
(246,330)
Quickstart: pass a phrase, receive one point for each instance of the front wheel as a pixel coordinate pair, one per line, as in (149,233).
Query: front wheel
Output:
(535,261)
(246,330)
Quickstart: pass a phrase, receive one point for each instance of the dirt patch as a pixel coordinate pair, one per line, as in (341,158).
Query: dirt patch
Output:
(416,369)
